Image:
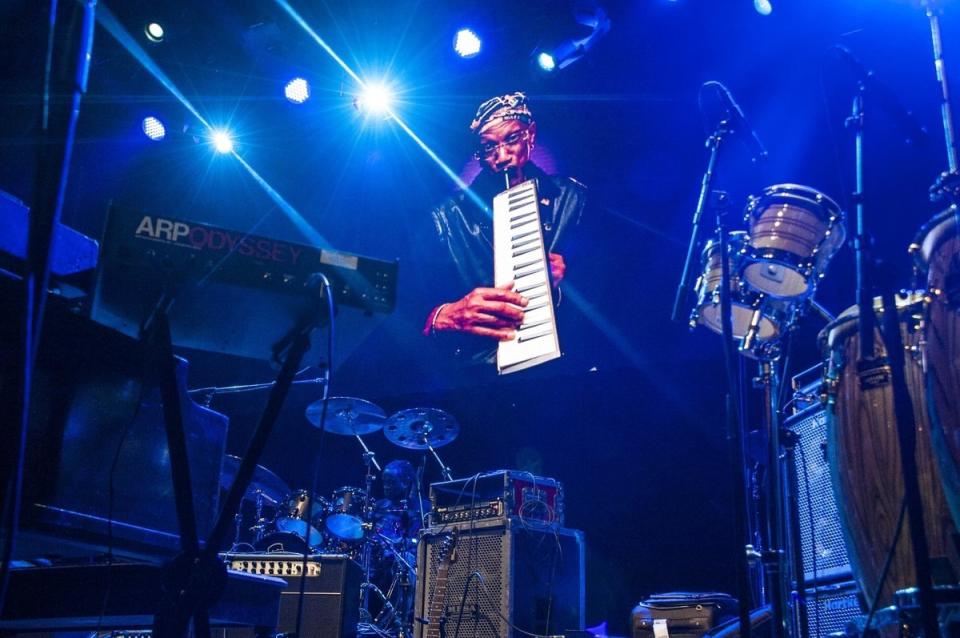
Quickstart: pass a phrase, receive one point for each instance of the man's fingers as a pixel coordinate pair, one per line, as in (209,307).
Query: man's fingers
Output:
(500,334)
(502,294)
(490,320)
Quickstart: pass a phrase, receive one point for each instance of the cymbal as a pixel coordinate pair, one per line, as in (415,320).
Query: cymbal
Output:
(420,428)
(347,416)
(263,480)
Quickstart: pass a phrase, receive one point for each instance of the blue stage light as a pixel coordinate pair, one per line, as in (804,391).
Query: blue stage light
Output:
(153,128)
(546,61)
(297,90)
(466,43)
(154,32)
(222,141)
(763,7)
(375,99)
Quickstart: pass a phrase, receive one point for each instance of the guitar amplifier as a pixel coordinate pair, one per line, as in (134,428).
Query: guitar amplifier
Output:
(332,594)
(498,496)
(499,580)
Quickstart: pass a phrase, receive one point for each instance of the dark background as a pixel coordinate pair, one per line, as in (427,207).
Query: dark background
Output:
(639,441)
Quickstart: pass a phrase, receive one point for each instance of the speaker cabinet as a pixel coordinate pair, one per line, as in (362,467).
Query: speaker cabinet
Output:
(331,602)
(499,579)
(821,537)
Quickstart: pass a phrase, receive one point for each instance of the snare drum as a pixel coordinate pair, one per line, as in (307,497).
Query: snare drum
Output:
(746,305)
(294,518)
(794,232)
(346,513)
(937,254)
(864,457)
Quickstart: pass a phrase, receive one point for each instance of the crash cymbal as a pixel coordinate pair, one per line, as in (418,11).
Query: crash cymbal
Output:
(263,480)
(420,428)
(347,416)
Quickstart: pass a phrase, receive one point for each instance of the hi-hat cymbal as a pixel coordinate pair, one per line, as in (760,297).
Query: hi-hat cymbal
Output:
(271,485)
(347,416)
(420,428)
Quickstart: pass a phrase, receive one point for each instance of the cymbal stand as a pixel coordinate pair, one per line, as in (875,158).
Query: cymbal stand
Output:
(401,584)
(260,527)
(444,470)
(366,560)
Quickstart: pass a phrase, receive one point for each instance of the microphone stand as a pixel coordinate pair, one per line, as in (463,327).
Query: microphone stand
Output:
(706,185)
(718,201)
(947,185)
(876,371)
(742,554)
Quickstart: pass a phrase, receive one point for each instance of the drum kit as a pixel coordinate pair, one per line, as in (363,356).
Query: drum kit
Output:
(794,232)
(379,535)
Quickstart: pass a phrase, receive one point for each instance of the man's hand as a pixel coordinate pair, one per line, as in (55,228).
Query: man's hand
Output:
(558,268)
(488,312)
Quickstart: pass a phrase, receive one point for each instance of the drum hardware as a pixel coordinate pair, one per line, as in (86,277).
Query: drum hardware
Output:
(347,416)
(266,488)
(794,232)
(303,516)
(424,429)
(264,482)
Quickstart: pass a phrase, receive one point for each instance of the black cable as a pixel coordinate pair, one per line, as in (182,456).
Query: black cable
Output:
(463,600)
(316,457)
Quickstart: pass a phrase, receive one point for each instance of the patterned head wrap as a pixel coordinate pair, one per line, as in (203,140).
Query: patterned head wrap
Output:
(512,106)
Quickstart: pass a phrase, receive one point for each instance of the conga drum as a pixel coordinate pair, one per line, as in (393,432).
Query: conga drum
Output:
(937,254)
(864,454)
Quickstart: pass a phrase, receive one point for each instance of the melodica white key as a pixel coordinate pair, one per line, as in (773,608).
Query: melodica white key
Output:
(519,256)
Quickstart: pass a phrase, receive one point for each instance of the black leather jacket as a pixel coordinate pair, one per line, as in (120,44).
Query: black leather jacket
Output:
(466,231)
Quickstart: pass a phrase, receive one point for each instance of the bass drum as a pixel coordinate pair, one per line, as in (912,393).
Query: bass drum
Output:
(864,455)
(937,254)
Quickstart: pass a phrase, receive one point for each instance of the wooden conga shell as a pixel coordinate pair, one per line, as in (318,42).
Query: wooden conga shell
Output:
(939,252)
(865,464)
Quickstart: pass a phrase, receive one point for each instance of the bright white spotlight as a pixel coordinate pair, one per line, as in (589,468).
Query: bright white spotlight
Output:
(763,7)
(297,90)
(375,99)
(546,61)
(222,141)
(154,32)
(153,128)
(466,43)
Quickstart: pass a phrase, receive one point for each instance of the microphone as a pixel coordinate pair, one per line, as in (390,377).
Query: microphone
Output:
(737,121)
(909,126)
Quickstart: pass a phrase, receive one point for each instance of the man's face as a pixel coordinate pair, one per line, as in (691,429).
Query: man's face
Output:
(506,145)
(395,485)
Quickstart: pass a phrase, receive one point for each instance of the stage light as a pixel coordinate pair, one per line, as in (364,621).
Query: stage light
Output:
(546,61)
(222,141)
(466,43)
(375,99)
(154,32)
(153,128)
(297,90)
(763,7)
